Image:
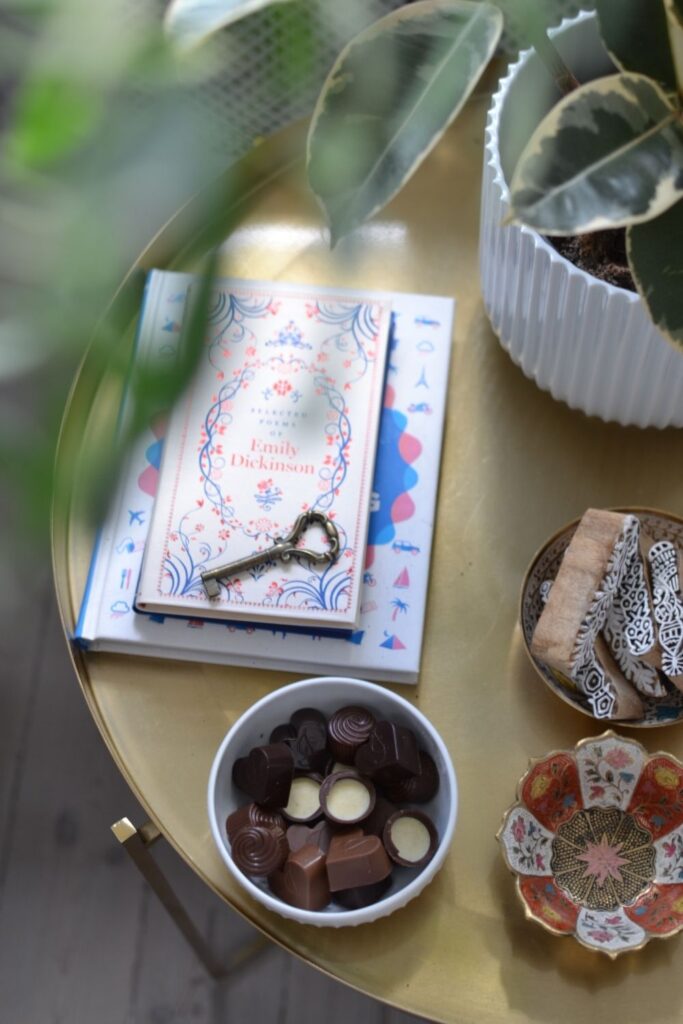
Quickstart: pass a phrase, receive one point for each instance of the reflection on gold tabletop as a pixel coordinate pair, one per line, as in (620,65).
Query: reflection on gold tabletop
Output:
(516,466)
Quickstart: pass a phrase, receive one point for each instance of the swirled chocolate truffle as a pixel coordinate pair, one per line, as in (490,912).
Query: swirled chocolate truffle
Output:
(252,814)
(347,730)
(259,851)
(416,789)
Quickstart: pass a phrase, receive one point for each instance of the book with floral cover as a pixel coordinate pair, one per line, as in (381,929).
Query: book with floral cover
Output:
(388,641)
(281,417)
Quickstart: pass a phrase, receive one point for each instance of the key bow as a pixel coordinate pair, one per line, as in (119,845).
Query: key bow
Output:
(283,548)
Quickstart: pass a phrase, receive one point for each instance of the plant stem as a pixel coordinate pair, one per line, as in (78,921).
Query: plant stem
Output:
(555,65)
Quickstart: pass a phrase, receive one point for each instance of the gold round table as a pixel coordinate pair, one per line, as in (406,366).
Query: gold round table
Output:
(516,466)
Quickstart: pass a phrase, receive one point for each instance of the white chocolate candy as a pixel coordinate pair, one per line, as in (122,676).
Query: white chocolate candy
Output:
(411,839)
(304,799)
(348,800)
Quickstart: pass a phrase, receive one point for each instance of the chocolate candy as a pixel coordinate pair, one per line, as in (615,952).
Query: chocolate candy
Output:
(347,730)
(346,798)
(345,769)
(304,835)
(304,799)
(281,733)
(390,753)
(356,860)
(410,838)
(309,747)
(259,851)
(307,715)
(303,880)
(416,789)
(265,774)
(355,899)
(338,766)
(252,814)
(374,824)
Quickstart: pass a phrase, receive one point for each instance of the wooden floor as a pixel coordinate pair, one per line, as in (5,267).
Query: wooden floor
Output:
(83,941)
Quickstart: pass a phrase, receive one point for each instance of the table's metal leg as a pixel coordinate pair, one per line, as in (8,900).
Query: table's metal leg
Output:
(136,843)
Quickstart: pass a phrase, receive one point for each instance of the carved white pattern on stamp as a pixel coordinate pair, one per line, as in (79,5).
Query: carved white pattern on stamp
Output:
(632,600)
(668,610)
(591,680)
(644,677)
(623,552)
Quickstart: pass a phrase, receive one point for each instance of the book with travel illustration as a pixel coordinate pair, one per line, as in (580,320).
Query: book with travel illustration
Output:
(281,418)
(386,645)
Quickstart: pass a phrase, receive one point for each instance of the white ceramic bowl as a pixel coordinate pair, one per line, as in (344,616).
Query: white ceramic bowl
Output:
(328,693)
(590,344)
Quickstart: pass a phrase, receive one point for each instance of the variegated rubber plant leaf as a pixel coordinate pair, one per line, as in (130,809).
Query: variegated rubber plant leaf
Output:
(608,155)
(674,13)
(190,22)
(655,254)
(636,34)
(388,100)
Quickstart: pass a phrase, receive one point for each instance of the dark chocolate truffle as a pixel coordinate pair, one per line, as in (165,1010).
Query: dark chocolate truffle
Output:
(416,789)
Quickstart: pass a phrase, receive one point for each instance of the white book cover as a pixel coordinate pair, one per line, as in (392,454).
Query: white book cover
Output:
(281,417)
(386,646)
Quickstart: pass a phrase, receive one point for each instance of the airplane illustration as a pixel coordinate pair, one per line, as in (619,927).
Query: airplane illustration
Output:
(135,517)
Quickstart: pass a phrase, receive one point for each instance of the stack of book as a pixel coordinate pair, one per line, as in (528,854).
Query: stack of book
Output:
(305,399)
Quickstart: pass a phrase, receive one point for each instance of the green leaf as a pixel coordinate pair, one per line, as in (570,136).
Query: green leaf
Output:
(608,155)
(655,255)
(636,35)
(54,115)
(388,99)
(674,14)
(190,22)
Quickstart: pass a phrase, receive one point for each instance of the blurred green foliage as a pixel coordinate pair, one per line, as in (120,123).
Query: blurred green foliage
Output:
(105,134)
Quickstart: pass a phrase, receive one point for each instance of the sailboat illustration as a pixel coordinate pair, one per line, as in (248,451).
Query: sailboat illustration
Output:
(392,642)
(402,581)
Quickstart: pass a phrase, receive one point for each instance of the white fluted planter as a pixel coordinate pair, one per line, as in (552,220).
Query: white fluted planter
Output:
(590,344)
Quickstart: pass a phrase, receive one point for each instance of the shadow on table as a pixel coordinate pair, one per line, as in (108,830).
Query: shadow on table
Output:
(533,962)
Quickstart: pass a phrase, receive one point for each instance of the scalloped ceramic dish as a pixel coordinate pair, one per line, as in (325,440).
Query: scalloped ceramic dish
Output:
(595,840)
(544,566)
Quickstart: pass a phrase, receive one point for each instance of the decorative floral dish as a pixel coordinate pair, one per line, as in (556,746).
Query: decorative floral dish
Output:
(544,567)
(595,840)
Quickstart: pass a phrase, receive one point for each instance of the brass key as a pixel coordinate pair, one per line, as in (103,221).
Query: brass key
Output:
(282,550)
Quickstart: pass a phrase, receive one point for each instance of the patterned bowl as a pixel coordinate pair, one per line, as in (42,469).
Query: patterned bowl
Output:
(544,566)
(595,840)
